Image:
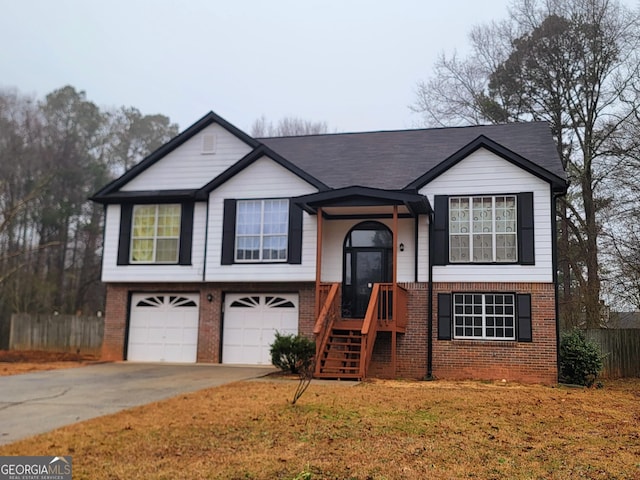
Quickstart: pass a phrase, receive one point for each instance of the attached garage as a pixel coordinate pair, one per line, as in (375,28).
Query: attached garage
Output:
(250,324)
(163,327)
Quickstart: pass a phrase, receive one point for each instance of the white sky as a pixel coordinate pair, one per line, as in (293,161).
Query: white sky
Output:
(351,63)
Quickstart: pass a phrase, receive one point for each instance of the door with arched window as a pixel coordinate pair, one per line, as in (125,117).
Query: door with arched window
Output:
(367,259)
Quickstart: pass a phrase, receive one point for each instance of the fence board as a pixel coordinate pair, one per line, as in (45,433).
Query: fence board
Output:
(56,333)
(621,348)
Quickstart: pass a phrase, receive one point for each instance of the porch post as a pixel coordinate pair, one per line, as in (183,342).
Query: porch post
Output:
(318,260)
(394,307)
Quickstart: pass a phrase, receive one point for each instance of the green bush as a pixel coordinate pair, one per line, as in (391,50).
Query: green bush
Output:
(580,359)
(292,353)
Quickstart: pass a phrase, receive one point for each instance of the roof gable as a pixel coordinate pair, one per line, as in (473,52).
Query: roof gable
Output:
(257,153)
(209,119)
(557,183)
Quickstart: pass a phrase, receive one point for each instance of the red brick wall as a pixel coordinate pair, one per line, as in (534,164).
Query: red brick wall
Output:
(117,311)
(531,362)
(452,359)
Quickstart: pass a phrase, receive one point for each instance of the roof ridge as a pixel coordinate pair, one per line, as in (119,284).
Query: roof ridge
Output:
(406,130)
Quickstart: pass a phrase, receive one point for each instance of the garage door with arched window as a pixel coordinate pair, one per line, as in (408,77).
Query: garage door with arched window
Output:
(250,323)
(163,327)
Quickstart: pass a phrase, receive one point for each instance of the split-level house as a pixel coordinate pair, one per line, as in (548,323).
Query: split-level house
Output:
(412,254)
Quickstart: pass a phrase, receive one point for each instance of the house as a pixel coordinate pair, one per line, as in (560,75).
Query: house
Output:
(413,254)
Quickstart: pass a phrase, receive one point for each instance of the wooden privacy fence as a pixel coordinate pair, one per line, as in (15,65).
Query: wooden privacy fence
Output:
(56,333)
(621,348)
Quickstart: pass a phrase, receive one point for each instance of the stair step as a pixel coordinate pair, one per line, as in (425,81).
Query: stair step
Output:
(345,370)
(345,335)
(339,376)
(345,347)
(340,357)
(342,349)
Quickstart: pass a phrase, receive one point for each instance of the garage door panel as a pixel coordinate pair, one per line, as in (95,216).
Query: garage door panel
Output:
(250,323)
(163,328)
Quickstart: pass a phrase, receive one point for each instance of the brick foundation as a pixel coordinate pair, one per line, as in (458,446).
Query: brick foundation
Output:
(210,327)
(533,362)
(529,362)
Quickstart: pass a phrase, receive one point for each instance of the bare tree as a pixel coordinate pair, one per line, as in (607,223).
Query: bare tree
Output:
(287,127)
(575,64)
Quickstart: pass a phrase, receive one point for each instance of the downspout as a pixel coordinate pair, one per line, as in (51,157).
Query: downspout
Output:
(415,253)
(554,263)
(319,222)
(430,303)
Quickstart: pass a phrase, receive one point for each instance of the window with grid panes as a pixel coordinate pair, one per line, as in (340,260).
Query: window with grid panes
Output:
(483,229)
(262,230)
(155,233)
(488,316)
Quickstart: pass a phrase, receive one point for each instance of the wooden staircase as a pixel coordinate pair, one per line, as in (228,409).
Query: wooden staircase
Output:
(342,353)
(344,347)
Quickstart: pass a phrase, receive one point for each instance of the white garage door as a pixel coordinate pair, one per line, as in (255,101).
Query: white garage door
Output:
(250,324)
(163,328)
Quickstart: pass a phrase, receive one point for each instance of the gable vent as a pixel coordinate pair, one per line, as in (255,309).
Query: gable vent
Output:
(208,143)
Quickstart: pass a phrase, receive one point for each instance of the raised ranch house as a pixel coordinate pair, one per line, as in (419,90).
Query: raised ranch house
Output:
(415,253)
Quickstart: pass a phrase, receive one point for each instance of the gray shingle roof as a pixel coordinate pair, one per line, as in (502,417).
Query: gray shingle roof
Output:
(394,159)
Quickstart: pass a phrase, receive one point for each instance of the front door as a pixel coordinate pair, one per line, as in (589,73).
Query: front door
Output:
(367,260)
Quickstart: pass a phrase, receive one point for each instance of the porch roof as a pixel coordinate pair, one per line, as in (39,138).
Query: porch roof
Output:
(356,196)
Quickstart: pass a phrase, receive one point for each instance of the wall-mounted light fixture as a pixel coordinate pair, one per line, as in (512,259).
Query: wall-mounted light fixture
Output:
(402,247)
(209,297)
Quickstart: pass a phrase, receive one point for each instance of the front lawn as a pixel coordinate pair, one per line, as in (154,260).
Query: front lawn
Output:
(374,430)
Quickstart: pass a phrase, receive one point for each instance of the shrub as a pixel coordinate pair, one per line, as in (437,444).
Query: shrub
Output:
(292,353)
(580,359)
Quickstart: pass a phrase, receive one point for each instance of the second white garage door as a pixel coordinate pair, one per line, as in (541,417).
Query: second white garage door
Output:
(250,324)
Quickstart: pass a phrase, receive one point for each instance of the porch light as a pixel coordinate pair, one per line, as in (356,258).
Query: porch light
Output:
(401,246)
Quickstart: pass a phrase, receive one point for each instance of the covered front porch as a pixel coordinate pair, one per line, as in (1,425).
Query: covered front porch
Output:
(358,271)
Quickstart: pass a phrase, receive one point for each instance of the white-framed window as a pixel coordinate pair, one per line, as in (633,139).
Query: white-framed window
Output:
(155,233)
(483,229)
(262,230)
(484,316)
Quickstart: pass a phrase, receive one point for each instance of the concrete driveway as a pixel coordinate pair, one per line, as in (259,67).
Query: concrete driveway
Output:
(39,402)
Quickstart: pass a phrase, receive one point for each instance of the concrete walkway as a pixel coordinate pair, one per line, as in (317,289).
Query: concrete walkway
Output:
(39,402)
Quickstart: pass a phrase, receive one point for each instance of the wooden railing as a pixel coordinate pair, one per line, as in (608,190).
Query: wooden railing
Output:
(380,313)
(329,312)
(370,330)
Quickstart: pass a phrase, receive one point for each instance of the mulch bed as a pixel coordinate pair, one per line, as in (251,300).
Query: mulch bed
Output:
(32,356)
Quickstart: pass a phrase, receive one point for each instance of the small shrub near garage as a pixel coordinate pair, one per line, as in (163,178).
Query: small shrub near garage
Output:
(580,359)
(292,353)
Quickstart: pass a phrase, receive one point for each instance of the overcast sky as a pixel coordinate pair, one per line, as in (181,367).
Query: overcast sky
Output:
(351,63)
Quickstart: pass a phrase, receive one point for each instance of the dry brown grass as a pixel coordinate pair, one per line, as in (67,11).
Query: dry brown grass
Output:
(375,430)
(13,362)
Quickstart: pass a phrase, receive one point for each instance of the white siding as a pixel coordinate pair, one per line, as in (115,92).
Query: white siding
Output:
(262,179)
(188,167)
(334,233)
(485,173)
(112,272)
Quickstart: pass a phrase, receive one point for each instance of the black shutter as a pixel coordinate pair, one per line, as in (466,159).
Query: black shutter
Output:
(441,230)
(526,245)
(444,316)
(186,234)
(295,234)
(228,232)
(124,241)
(524,317)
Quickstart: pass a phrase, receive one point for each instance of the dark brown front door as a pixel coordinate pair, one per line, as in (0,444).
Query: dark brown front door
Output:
(367,260)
